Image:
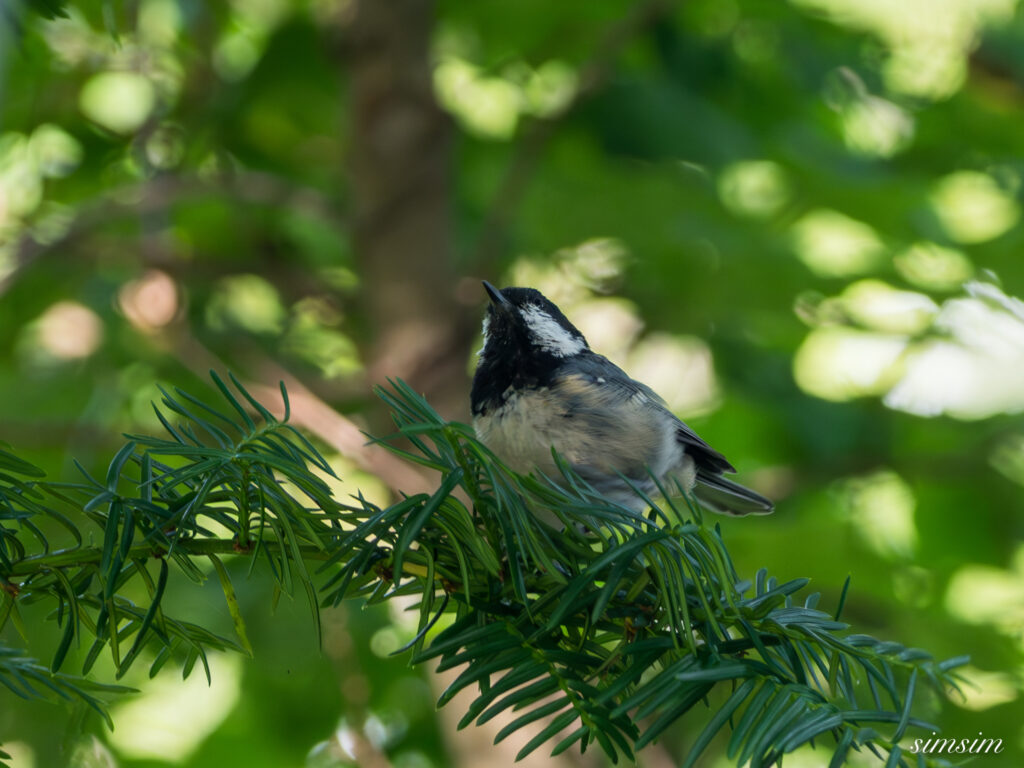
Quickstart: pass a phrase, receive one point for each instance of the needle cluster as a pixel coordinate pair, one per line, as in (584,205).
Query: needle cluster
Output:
(605,630)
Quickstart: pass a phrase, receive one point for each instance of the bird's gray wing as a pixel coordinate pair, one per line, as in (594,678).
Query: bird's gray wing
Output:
(613,388)
(617,384)
(615,418)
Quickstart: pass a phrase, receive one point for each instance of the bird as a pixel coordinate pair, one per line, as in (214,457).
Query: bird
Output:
(538,385)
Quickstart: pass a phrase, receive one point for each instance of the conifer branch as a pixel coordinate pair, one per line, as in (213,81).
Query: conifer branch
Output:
(606,631)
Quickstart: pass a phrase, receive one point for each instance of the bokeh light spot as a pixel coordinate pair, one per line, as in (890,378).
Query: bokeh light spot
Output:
(680,369)
(171,717)
(165,146)
(983,690)
(572,275)
(977,369)
(151,302)
(237,53)
(242,44)
(876,127)
(877,305)
(56,152)
(926,69)
(21,754)
(159,22)
(69,331)
(611,325)
(313,335)
(596,263)
(933,267)
(836,363)
(946,378)
(90,752)
(928,42)
(984,594)
(549,88)
(487,106)
(834,245)
(881,510)
(972,208)
(21,186)
(491,104)
(385,641)
(245,301)
(756,189)
(118,101)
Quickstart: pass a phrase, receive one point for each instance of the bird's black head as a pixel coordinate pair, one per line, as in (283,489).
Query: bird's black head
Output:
(526,338)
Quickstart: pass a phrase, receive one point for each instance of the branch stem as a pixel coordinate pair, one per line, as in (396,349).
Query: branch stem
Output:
(80,556)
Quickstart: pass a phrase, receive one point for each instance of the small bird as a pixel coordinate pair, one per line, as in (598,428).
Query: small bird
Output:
(538,385)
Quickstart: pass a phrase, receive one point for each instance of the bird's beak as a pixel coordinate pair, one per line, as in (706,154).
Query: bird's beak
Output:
(496,298)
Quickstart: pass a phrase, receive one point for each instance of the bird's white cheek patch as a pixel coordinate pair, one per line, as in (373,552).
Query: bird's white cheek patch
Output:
(486,331)
(549,335)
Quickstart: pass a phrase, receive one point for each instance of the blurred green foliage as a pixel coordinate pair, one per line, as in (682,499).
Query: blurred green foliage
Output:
(791,196)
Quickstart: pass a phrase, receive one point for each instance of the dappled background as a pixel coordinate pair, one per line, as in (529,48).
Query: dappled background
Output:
(799,221)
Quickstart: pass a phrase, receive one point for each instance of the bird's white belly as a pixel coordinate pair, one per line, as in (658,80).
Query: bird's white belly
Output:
(521,432)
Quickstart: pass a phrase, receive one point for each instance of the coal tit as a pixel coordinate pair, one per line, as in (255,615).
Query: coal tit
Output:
(538,385)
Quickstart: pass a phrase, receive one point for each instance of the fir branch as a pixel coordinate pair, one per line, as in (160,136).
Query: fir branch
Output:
(26,678)
(608,631)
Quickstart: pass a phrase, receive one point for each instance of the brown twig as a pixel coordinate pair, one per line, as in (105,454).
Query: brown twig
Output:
(312,414)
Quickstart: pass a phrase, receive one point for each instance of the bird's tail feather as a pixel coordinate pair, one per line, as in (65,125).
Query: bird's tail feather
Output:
(729,498)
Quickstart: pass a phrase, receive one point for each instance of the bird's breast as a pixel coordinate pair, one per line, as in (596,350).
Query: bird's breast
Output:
(522,430)
(601,435)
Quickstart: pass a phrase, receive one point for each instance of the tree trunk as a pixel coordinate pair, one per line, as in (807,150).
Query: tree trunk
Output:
(400,190)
